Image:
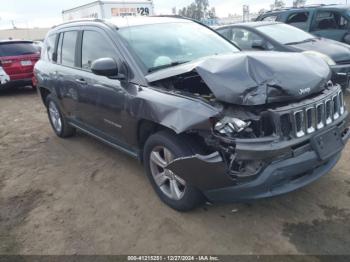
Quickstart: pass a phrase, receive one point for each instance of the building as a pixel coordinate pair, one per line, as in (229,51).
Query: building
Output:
(109,9)
(24,34)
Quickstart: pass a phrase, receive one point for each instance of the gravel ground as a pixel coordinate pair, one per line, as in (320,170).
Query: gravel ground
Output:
(79,196)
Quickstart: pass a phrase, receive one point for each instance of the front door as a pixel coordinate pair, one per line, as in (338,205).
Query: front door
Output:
(102,99)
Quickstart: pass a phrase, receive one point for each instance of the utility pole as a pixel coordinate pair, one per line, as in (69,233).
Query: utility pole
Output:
(246,13)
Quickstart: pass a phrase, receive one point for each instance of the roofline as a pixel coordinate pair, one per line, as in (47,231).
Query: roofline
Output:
(106,22)
(260,23)
(80,20)
(301,7)
(80,6)
(101,2)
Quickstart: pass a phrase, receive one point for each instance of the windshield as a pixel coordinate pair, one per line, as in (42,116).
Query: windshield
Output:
(285,34)
(163,45)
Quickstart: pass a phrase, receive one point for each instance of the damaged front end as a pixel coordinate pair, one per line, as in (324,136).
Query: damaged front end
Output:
(286,148)
(280,128)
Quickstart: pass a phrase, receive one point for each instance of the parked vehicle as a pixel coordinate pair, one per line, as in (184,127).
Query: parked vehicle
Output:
(18,59)
(207,121)
(328,21)
(38,44)
(274,36)
(4,78)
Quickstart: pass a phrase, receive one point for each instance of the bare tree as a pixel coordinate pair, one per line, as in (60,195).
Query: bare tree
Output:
(262,11)
(297,3)
(278,4)
(212,13)
(197,10)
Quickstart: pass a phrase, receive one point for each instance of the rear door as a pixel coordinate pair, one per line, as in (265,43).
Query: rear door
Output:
(18,59)
(67,72)
(330,24)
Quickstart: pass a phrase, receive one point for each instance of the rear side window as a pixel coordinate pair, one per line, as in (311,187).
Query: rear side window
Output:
(17,49)
(299,19)
(95,46)
(68,42)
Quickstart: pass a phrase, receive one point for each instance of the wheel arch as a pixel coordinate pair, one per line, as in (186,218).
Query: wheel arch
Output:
(147,128)
(44,93)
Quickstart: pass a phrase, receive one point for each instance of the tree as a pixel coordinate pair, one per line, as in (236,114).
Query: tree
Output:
(262,11)
(297,3)
(197,10)
(278,4)
(212,13)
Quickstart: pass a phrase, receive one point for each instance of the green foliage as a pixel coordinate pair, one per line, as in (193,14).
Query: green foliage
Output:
(198,10)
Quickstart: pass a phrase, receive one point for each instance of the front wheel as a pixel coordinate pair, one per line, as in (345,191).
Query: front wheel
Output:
(160,150)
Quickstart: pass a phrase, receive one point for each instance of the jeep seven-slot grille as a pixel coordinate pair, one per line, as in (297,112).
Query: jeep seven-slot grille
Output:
(307,118)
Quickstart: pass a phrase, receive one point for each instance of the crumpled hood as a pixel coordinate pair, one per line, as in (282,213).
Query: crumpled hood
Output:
(337,51)
(256,78)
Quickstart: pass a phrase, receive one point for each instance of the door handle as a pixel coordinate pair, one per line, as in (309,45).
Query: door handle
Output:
(81,81)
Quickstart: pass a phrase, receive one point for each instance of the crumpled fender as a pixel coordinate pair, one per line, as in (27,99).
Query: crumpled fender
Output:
(203,172)
(256,78)
(174,111)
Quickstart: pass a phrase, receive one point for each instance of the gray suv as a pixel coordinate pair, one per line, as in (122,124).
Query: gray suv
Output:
(328,21)
(209,123)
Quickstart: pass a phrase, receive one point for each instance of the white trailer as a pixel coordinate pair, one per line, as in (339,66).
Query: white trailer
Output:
(109,9)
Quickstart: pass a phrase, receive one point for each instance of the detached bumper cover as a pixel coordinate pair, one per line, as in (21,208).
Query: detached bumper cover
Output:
(278,178)
(341,75)
(302,167)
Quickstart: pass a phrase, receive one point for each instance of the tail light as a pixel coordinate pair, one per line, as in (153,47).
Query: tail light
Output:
(34,81)
(5,63)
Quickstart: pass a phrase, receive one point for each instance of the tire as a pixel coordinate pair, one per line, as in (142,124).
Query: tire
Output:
(186,197)
(58,122)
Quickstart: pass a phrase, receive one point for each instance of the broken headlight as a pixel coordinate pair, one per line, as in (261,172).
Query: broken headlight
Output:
(231,125)
(324,57)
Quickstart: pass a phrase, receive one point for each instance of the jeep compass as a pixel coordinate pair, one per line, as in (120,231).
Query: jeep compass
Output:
(209,123)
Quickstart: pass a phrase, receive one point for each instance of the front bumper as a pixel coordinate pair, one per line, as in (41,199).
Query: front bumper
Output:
(287,172)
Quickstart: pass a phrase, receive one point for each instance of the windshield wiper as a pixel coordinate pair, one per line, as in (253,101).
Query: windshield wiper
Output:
(300,42)
(156,68)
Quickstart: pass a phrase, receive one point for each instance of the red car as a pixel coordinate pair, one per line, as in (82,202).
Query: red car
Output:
(18,58)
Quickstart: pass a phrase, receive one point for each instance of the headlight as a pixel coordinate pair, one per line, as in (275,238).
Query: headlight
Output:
(229,125)
(325,58)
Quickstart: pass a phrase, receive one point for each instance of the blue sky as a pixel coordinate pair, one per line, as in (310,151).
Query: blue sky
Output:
(45,13)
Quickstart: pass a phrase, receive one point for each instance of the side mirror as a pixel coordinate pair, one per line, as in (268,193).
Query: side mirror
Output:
(347,39)
(258,44)
(106,67)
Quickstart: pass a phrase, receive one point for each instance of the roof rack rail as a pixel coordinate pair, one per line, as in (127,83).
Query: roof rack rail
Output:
(300,7)
(174,16)
(80,20)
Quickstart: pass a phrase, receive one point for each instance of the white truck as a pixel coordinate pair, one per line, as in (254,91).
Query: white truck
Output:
(109,9)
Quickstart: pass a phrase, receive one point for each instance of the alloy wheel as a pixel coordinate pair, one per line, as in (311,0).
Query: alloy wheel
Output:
(169,183)
(55,117)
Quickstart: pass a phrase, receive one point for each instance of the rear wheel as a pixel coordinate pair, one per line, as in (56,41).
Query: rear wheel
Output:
(160,150)
(57,120)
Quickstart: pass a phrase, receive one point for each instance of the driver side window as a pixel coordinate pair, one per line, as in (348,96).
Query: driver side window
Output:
(299,19)
(248,40)
(95,46)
